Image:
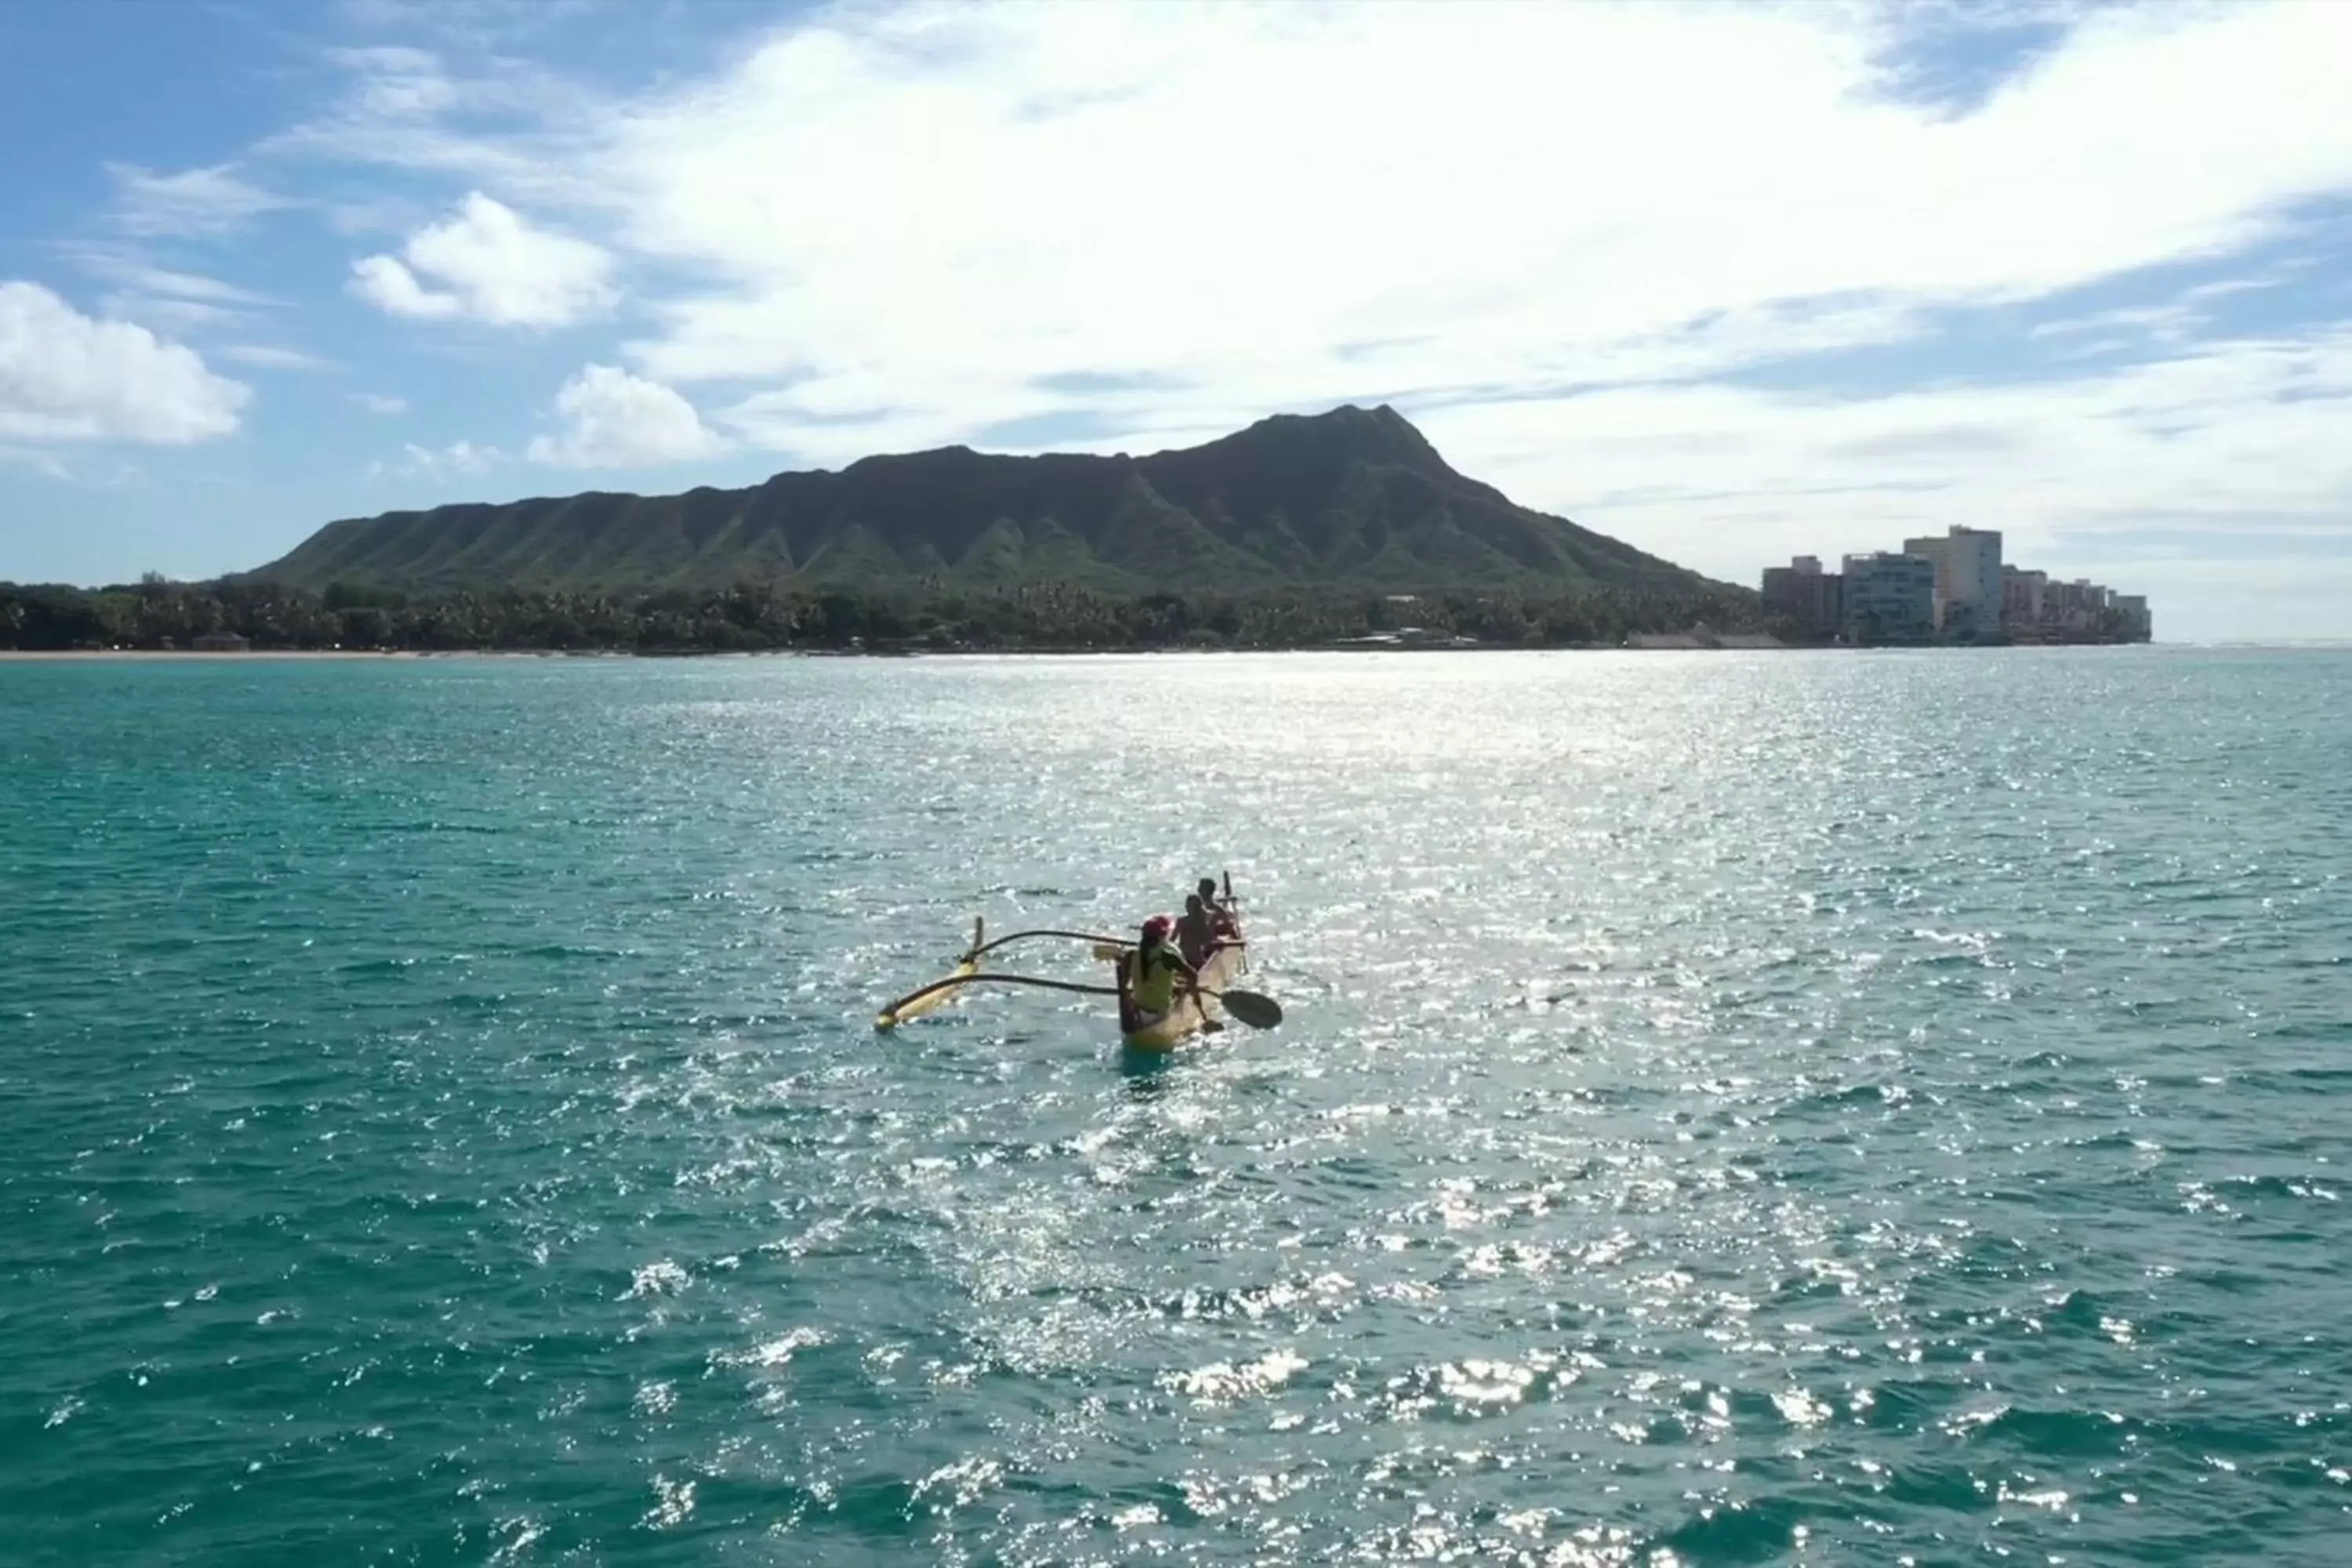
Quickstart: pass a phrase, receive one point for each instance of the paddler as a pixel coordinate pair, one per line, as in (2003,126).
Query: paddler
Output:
(1147,976)
(1220,918)
(1196,933)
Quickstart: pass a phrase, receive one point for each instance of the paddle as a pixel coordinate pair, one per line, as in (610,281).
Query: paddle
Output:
(1259,1012)
(1252,1007)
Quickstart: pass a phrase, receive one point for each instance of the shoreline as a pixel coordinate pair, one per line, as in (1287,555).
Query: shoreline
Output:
(281,655)
(159,654)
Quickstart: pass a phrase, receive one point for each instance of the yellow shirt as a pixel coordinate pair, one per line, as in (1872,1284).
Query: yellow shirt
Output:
(1151,978)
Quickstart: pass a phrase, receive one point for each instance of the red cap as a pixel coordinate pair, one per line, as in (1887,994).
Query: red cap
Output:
(1157,928)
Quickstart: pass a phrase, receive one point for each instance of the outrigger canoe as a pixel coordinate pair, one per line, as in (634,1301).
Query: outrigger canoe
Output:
(1193,1012)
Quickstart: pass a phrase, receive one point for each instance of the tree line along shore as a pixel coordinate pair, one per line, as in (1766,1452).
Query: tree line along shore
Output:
(156,615)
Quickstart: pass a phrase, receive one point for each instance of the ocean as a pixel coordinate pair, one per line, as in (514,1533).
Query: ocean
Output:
(1864,1109)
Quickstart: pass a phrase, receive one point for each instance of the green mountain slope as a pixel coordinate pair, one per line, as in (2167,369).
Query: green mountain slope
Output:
(1352,498)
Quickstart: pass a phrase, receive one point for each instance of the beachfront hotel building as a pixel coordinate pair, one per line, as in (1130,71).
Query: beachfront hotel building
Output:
(1971,596)
(2073,607)
(1807,595)
(2021,594)
(1967,581)
(1890,597)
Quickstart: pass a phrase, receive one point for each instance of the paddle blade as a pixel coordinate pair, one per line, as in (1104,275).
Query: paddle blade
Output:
(1259,1012)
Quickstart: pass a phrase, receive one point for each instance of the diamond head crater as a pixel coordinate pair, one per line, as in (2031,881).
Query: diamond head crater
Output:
(1346,528)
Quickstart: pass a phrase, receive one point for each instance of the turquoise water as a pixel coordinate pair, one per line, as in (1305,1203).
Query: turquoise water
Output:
(1733,1109)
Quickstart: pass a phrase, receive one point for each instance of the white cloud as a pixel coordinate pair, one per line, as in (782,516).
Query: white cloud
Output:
(487,263)
(465,457)
(458,459)
(616,420)
(205,201)
(949,201)
(65,376)
(891,226)
(921,209)
(384,283)
(378,403)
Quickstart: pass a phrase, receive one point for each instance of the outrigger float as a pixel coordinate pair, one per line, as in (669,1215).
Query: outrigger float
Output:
(1195,1009)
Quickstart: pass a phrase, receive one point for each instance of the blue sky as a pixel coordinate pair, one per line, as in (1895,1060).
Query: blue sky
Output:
(1730,282)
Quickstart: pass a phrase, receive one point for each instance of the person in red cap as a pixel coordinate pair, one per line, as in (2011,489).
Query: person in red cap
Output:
(1148,975)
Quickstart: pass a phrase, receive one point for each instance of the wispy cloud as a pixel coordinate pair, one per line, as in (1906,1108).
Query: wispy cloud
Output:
(2186,316)
(1952,57)
(204,201)
(272,356)
(458,459)
(40,460)
(129,268)
(377,402)
(165,297)
(509,124)
(169,315)
(479,23)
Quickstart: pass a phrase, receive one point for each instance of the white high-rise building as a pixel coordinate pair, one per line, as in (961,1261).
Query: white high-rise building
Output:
(1968,580)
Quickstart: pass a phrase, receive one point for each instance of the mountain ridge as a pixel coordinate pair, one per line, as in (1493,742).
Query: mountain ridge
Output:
(1350,498)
